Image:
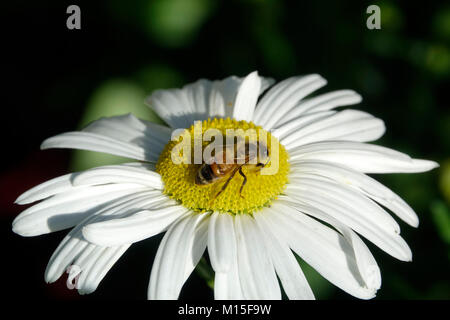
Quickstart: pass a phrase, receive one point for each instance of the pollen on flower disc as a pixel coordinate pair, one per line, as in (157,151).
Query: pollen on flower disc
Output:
(259,191)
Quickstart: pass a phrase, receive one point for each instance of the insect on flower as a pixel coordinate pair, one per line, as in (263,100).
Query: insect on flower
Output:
(218,167)
(319,203)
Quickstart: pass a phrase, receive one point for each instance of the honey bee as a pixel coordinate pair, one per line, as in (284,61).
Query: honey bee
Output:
(217,169)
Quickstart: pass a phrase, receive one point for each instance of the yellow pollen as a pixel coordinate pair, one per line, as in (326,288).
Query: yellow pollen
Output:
(260,189)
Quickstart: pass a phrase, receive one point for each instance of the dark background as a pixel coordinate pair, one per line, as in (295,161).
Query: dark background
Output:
(59,80)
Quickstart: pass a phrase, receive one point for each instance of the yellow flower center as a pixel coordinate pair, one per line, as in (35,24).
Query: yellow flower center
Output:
(179,166)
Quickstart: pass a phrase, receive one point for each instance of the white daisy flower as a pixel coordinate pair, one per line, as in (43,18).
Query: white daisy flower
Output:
(317,205)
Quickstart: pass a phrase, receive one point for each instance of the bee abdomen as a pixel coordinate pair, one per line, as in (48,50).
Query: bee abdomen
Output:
(205,175)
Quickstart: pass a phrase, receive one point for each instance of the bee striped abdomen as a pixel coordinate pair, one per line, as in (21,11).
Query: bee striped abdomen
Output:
(205,175)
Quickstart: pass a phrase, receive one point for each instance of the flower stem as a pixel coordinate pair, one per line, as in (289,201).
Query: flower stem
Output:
(205,271)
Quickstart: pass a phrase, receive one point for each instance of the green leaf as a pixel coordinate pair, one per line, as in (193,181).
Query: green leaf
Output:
(444,179)
(205,271)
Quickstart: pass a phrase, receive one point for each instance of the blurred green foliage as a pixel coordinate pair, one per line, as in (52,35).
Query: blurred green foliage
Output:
(402,71)
(175,22)
(444,180)
(441,216)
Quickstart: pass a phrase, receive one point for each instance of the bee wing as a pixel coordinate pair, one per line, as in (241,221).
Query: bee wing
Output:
(220,153)
(231,154)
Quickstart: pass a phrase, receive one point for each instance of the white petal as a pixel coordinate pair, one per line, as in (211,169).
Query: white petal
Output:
(321,247)
(366,208)
(218,99)
(46,189)
(85,262)
(96,269)
(220,286)
(323,102)
(198,98)
(255,268)
(223,95)
(198,101)
(223,256)
(367,266)
(221,242)
(286,266)
(283,97)
(136,227)
(234,283)
(128,128)
(178,254)
(365,184)
(74,246)
(227,286)
(119,174)
(91,266)
(172,106)
(70,248)
(94,142)
(351,125)
(82,262)
(348,209)
(65,210)
(65,183)
(362,157)
(124,136)
(247,97)
(291,126)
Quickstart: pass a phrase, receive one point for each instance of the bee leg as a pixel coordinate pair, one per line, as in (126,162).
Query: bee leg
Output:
(243,183)
(225,185)
(262,165)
